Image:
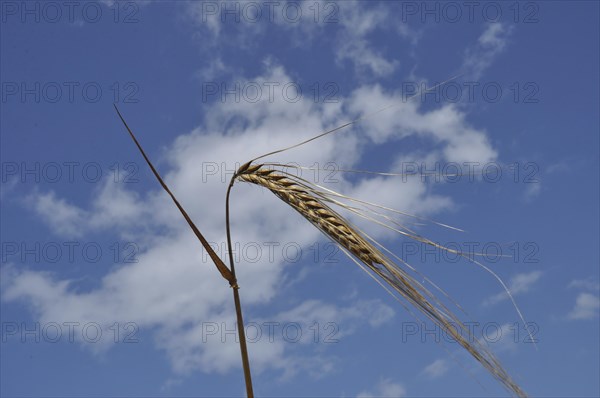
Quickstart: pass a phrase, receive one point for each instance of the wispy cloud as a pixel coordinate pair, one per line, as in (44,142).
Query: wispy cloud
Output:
(532,190)
(215,20)
(112,206)
(502,338)
(215,68)
(490,44)
(587,306)
(436,369)
(385,388)
(358,21)
(447,125)
(519,284)
(587,284)
(354,23)
(65,219)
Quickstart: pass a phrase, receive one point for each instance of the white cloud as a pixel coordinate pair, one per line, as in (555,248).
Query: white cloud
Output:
(212,19)
(519,284)
(436,369)
(490,44)
(190,306)
(532,190)
(503,338)
(373,312)
(304,23)
(215,68)
(587,306)
(365,58)
(445,125)
(67,220)
(385,388)
(112,206)
(588,284)
(174,289)
(410,194)
(492,37)
(357,23)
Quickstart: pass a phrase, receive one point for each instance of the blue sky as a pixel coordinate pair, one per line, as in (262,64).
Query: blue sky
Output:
(105,292)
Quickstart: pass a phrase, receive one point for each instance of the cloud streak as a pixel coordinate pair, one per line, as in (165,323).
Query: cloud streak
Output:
(436,369)
(519,284)
(490,44)
(586,307)
(385,388)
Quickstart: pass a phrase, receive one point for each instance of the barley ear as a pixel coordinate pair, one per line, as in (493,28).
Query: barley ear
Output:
(303,198)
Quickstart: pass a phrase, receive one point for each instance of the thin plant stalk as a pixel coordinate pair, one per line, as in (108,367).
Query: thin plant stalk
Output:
(238,306)
(228,274)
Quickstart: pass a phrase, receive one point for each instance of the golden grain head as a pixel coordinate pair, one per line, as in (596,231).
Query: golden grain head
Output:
(301,196)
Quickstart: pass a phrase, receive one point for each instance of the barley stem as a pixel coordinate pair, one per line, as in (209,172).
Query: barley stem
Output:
(228,274)
(236,299)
